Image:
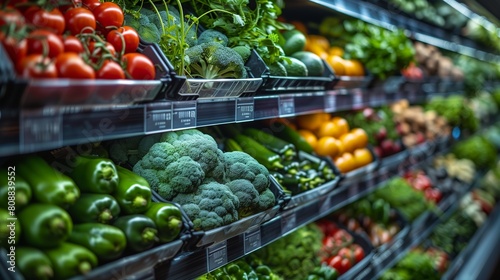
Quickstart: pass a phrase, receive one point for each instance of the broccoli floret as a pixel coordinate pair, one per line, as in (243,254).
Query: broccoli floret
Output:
(125,150)
(146,143)
(181,176)
(202,148)
(213,60)
(243,51)
(211,35)
(247,195)
(191,37)
(266,200)
(240,165)
(212,205)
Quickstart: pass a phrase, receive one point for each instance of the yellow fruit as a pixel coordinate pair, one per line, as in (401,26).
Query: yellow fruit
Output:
(309,122)
(337,64)
(327,146)
(334,50)
(329,128)
(309,137)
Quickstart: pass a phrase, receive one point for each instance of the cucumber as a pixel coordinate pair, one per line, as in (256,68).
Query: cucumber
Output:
(290,135)
(284,149)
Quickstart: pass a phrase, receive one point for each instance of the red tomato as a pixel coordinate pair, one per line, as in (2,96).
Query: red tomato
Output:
(108,15)
(433,194)
(139,66)
(71,65)
(79,20)
(52,20)
(97,50)
(110,70)
(345,253)
(343,236)
(91,4)
(125,34)
(11,16)
(72,44)
(36,66)
(327,227)
(340,264)
(44,42)
(16,49)
(358,252)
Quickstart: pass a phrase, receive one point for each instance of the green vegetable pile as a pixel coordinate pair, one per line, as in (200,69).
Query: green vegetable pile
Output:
(249,268)
(295,173)
(213,187)
(383,52)
(417,264)
(454,235)
(400,195)
(456,111)
(477,149)
(295,255)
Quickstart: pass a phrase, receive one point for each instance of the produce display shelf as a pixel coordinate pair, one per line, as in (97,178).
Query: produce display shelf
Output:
(419,231)
(189,265)
(478,259)
(417,30)
(38,129)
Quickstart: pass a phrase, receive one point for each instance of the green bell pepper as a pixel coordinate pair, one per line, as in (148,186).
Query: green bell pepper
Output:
(47,184)
(33,263)
(69,260)
(140,231)
(107,242)
(167,218)
(44,225)
(95,208)
(13,185)
(8,223)
(95,175)
(133,192)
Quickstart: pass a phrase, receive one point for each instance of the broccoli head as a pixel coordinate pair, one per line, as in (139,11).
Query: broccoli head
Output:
(125,150)
(266,200)
(213,60)
(212,205)
(240,165)
(247,195)
(243,51)
(211,35)
(202,148)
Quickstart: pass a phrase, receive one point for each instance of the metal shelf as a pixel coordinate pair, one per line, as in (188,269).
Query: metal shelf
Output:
(33,130)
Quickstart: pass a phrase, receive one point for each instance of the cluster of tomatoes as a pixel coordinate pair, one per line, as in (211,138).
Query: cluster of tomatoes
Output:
(81,39)
(339,250)
(421,182)
(332,137)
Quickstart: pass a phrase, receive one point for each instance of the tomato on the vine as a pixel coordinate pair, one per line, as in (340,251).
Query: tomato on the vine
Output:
(44,19)
(71,65)
(79,20)
(72,44)
(44,42)
(11,16)
(123,34)
(98,51)
(358,252)
(91,4)
(139,66)
(16,49)
(342,265)
(36,66)
(108,15)
(110,70)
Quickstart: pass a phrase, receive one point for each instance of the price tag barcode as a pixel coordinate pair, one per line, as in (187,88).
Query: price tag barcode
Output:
(288,222)
(217,255)
(158,118)
(39,131)
(184,114)
(330,102)
(245,109)
(286,105)
(252,240)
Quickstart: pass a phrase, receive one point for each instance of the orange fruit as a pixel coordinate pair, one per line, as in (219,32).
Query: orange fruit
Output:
(317,50)
(327,146)
(349,142)
(310,122)
(353,68)
(362,157)
(340,145)
(337,64)
(309,137)
(334,50)
(318,41)
(345,163)
(342,124)
(300,26)
(328,128)
(361,137)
